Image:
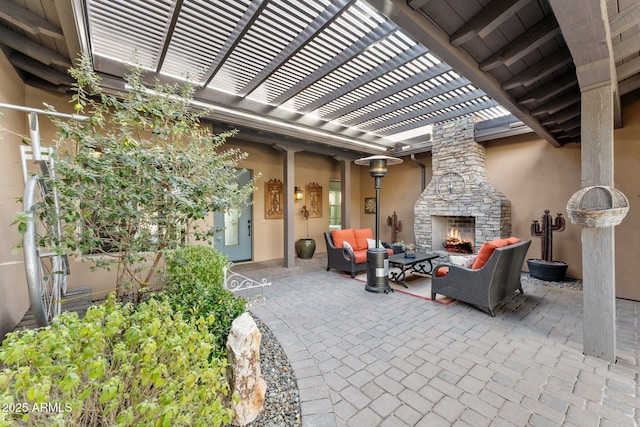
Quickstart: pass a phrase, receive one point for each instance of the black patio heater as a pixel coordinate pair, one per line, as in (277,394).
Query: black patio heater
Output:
(378,258)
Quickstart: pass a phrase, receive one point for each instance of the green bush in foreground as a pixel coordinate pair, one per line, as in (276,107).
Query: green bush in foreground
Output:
(120,365)
(195,287)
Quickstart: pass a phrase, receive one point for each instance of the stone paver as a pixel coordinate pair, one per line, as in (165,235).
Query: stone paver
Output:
(367,359)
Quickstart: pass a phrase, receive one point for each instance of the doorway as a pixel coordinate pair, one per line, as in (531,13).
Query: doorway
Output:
(234,238)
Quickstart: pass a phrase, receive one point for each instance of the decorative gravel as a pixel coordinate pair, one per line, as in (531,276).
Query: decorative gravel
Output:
(566,284)
(282,402)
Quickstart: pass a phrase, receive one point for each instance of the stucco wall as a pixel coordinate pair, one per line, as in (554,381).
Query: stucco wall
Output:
(269,163)
(627,180)
(14,298)
(535,176)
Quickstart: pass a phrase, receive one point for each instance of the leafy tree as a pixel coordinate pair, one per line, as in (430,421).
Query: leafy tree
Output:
(140,176)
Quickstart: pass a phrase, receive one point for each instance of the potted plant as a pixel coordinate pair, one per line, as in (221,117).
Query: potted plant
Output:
(546,268)
(307,246)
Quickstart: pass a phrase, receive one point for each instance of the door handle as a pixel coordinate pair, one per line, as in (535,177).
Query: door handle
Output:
(249,227)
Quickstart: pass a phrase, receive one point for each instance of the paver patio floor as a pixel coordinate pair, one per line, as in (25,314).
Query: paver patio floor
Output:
(368,359)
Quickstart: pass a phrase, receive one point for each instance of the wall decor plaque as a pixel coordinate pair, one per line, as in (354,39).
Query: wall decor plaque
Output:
(273,199)
(313,199)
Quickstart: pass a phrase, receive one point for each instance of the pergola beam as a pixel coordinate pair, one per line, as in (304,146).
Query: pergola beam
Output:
(427,33)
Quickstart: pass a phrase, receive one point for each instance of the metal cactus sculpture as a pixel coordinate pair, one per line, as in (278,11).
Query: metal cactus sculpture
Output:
(545,231)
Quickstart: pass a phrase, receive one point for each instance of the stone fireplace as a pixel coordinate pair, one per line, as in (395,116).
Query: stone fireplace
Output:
(459,204)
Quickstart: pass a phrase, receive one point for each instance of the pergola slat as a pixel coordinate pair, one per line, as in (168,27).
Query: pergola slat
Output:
(380,32)
(330,14)
(405,57)
(244,25)
(436,70)
(415,99)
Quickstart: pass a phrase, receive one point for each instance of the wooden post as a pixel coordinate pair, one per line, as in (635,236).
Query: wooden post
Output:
(289,213)
(598,244)
(592,53)
(345,188)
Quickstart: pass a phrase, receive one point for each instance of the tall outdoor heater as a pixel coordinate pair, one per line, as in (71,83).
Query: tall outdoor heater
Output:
(377,257)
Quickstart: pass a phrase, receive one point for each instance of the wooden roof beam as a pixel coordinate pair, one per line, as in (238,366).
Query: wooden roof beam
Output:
(625,19)
(557,104)
(488,19)
(244,25)
(392,64)
(627,47)
(564,115)
(628,68)
(39,70)
(524,44)
(457,111)
(28,21)
(552,88)
(32,49)
(540,70)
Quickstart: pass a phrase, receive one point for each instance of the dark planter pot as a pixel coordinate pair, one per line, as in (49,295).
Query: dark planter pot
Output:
(552,271)
(305,248)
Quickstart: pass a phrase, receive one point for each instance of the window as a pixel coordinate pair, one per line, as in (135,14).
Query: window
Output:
(335,204)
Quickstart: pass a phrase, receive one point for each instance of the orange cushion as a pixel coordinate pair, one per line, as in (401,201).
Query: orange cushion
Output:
(500,243)
(361,256)
(485,252)
(361,235)
(513,240)
(442,271)
(340,236)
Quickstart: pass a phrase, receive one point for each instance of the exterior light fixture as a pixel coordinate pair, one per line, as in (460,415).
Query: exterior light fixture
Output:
(297,194)
(378,258)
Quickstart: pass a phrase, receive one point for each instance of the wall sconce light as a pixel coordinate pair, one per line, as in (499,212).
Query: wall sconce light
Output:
(297,193)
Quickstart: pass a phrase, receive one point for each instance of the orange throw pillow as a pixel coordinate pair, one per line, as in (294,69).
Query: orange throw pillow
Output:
(511,240)
(485,252)
(340,236)
(361,236)
(442,271)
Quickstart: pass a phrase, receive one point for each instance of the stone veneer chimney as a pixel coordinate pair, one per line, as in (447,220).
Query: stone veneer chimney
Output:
(454,150)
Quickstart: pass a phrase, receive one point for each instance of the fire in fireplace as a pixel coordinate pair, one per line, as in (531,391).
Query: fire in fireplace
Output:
(456,243)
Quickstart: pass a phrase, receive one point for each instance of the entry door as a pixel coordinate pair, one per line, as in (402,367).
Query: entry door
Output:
(234,240)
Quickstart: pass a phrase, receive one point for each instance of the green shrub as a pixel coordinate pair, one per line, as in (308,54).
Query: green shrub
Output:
(120,365)
(195,264)
(195,287)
